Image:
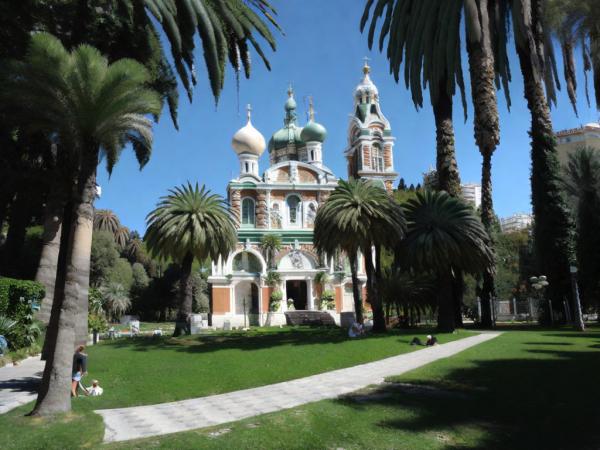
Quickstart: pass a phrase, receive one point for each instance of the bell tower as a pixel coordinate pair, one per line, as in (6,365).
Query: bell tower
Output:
(370,141)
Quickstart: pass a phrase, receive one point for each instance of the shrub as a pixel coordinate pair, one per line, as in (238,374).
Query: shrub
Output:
(275,300)
(17,301)
(327,300)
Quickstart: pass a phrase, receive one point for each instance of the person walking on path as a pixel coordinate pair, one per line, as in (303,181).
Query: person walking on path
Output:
(79,369)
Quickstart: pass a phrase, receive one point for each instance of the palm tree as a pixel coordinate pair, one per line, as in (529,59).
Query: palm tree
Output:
(106,220)
(115,300)
(92,108)
(444,235)
(135,251)
(486,48)
(270,244)
(412,294)
(553,227)
(189,223)
(122,237)
(577,23)
(425,36)
(582,184)
(357,216)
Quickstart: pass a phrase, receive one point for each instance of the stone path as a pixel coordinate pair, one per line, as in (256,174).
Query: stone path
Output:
(153,420)
(18,384)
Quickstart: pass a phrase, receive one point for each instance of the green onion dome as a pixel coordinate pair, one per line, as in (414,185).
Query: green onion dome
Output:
(313,131)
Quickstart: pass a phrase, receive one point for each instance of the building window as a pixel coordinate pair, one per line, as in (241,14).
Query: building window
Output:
(376,158)
(248,212)
(294,210)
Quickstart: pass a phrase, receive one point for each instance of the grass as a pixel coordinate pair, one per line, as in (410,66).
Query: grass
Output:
(154,370)
(527,389)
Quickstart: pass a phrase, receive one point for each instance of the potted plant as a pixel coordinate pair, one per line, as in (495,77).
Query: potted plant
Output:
(327,300)
(275,300)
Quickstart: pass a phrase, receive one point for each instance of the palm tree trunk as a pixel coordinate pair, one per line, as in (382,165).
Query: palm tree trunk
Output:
(445,304)
(54,393)
(552,227)
(46,272)
(373,294)
(355,286)
(448,178)
(182,324)
(487,128)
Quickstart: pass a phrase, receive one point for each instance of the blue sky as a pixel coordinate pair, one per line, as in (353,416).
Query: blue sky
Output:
(321,54)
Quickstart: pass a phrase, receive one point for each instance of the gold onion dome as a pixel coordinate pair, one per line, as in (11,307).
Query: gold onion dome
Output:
(248,139)
(366,86)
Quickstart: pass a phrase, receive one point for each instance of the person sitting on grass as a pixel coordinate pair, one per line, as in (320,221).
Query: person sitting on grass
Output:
(431,341)
(356,330)
(79,370)
(95,390)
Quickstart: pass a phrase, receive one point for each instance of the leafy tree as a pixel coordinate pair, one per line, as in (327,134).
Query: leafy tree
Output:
(104,256)
(140,277)
(120,273)
(189,223)
(582,184)
(359,215)
(90,107)
(136,252)
(444,236)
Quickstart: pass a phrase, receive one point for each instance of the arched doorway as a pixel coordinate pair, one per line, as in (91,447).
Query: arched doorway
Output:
(297,290)
(247,302)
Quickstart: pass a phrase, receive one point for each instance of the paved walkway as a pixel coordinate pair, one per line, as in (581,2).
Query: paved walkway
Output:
(18,384)
(153,420)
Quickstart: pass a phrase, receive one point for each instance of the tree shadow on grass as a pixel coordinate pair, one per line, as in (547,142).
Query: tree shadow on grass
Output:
(250,341)
(516,403)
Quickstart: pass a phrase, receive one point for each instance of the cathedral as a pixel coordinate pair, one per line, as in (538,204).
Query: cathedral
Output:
(284,201)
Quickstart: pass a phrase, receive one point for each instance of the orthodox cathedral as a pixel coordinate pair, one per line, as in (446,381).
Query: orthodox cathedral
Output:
(284,201)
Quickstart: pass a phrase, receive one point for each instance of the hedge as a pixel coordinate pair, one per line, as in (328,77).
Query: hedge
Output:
(17,300)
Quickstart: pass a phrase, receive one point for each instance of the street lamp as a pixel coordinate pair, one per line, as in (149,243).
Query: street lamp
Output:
(578,321)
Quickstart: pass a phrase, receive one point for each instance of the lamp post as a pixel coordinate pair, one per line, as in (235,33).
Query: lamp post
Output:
(539,284)
(578,319)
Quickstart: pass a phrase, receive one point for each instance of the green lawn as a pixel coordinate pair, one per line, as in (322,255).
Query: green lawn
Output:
(154,370)
(527,389)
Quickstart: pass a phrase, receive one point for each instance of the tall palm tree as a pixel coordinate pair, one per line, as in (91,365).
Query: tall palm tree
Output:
(582,184)
(189,223)
(424,35)
(135,251)
(92,108)
(106,220)
(444,236)
(553,227)
(359,215)
(486,49)
(270,244)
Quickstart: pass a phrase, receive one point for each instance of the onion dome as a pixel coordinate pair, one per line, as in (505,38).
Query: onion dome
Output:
(290,133)
(248,139)
(366,86)
(313,131)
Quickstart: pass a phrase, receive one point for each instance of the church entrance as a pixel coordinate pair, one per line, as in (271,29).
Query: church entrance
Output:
(297,290)
(246,302)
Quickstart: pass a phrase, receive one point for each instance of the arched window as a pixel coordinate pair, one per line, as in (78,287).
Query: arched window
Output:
(248,212)
(294,210)
(376,158)
(246,262)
